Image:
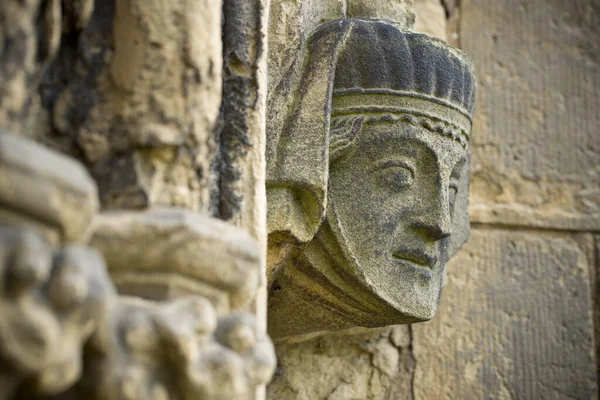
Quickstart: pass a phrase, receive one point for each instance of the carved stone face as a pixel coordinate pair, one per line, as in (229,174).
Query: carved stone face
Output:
(390,206)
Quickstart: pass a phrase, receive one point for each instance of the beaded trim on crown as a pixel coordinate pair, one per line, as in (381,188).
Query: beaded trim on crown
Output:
(381,105)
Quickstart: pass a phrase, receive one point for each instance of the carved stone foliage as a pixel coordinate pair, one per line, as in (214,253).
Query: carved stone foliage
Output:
(51,301)
(368,180)
(63,323)
(175,350)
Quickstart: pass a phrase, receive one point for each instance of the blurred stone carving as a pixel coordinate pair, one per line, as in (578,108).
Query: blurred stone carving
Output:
(368,186)
(50,302)
(64,331)
(162,253)
(56,297)
(174,350)
(53,291)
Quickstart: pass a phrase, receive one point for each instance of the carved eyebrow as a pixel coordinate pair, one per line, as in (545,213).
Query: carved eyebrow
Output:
(394,163)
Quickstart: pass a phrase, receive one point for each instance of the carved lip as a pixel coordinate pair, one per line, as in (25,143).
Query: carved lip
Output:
(418,257)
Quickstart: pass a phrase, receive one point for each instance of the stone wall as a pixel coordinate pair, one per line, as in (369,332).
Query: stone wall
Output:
(516,319)
(165,103)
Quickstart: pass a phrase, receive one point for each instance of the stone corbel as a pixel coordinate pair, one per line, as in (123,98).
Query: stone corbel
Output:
(64,331)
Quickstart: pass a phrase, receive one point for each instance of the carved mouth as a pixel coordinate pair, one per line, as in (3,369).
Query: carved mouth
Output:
(420,258)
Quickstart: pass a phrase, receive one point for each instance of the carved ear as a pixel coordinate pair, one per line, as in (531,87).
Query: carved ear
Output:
(460,219)
(342,134)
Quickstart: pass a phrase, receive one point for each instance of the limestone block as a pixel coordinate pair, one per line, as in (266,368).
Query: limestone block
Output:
(515,321)
(168,252)
(355,364)
(430,18)
(136,95)
(536,154)
(45,190)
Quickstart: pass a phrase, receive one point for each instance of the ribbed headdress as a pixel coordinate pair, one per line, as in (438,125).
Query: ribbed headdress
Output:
(360,67)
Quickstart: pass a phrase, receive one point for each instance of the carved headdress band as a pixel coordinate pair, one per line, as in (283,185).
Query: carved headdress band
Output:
(368,67)
(432,113)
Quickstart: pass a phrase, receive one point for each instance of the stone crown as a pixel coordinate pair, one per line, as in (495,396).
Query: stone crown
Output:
(382,69)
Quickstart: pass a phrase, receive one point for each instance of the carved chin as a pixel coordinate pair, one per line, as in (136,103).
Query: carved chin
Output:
(410,295)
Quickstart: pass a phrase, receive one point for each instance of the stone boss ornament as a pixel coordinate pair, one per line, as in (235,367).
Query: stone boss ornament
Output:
(367,185)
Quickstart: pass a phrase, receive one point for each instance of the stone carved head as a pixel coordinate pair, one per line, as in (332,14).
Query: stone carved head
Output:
(368,185)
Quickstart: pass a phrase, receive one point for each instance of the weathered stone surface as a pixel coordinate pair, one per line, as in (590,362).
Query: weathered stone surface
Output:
(30,32)
(54,302)
(596,301)
(536,155)
(51,302)
(366,175)
(356,364)
(291,23)
(164,253)
(430,18)
(174,350)
(45,190)
(399,11)
(515,321)
(136,96)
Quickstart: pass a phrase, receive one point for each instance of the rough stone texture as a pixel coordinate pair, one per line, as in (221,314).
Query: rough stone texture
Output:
(51,301)
(45,190)
(54,302)
(61,317)
(516,318)
(596,299)
(536,154)
(30,34)
(163,253)
(430,18)
(291,23)
(136,95)
(515,321)
(356,364)
(174,350)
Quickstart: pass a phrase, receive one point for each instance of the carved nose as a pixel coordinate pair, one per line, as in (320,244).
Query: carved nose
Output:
(434,230)
(435,221)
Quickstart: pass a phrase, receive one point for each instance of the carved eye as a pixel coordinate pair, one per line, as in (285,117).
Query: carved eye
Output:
(397,176)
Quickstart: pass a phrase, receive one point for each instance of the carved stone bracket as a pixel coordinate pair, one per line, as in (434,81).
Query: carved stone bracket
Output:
(367,177)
